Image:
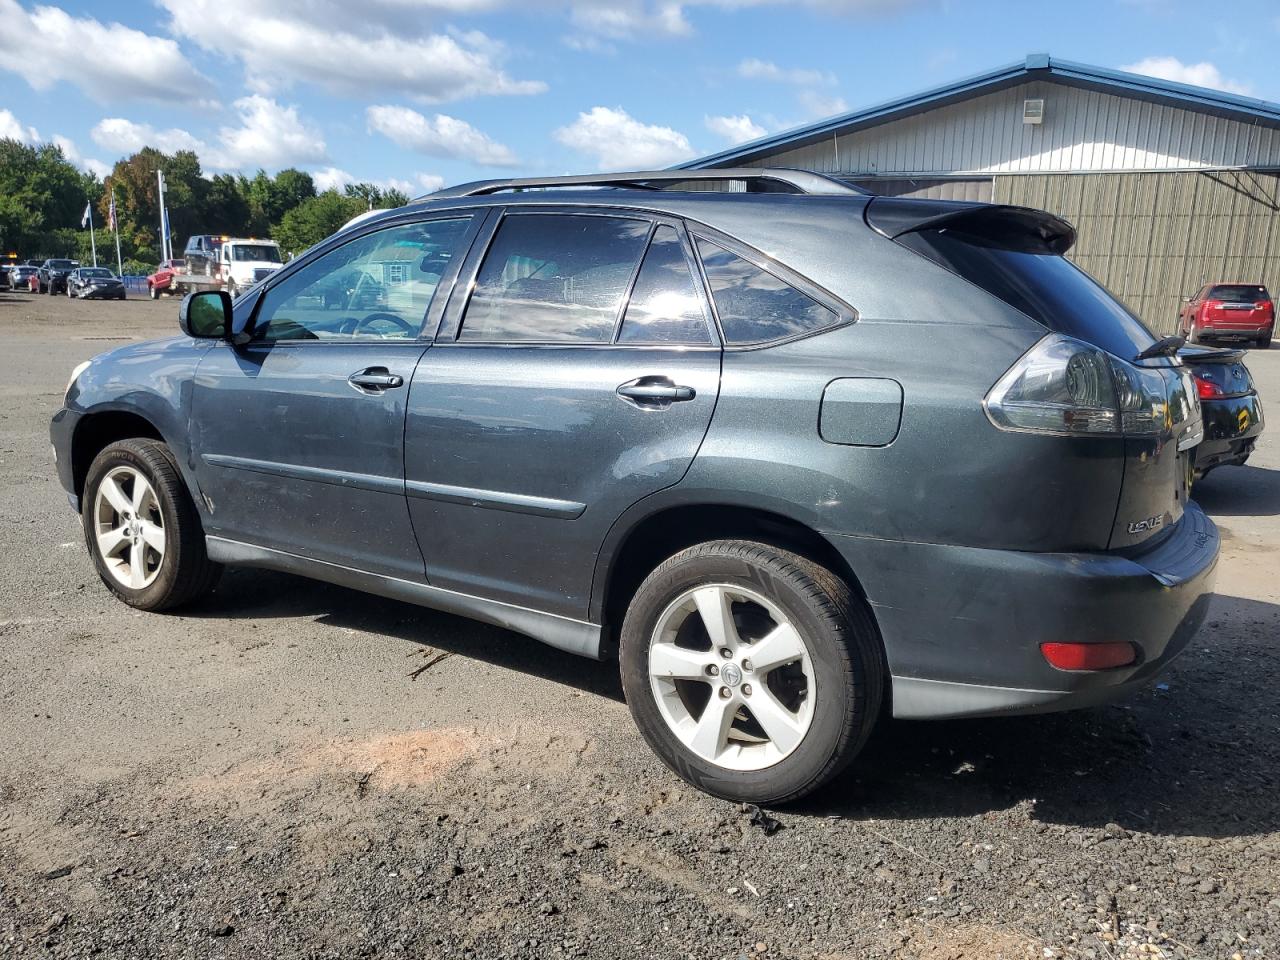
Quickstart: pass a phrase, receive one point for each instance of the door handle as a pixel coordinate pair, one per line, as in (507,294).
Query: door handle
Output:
(375,380)
(656,393)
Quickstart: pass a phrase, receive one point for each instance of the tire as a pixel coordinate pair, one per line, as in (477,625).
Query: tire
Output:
(842,686)
(155,294)
(183,571)
(1196,336)
(1264,343)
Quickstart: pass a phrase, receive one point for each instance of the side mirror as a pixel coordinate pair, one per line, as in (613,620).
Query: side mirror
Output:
(1186,299)
(206,315)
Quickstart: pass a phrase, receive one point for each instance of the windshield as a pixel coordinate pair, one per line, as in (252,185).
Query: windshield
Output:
(1045,286)
(268,252)
(1238,293)
(61,264)
(96,272)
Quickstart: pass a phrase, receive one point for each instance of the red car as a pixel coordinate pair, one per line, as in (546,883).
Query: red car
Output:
(160,281)
(1229,311)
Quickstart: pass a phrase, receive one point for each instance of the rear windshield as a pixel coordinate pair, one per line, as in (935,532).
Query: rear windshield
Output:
(1238,293)
(1046,287)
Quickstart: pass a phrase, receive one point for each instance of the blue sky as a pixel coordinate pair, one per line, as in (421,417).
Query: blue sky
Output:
(415,93)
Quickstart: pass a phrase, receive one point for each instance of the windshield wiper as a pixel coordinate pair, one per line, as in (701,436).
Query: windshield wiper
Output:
(1164,347)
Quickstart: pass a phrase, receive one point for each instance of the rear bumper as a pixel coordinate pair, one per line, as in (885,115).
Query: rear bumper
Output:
(1231,428)
(1235,331)
(962,626)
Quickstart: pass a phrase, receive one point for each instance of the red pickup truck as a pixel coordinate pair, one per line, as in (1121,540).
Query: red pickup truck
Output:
(160,281)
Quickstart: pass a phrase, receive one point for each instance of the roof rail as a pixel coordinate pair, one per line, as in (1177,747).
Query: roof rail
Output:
(801,181)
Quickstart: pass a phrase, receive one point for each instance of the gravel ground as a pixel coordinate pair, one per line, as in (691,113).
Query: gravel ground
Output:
(274,774)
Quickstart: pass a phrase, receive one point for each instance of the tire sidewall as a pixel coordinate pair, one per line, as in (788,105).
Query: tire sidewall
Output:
(831,697)
(154,594)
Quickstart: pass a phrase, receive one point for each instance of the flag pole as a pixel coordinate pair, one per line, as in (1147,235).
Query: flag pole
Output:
(115,225)
(164,233)
(93,243)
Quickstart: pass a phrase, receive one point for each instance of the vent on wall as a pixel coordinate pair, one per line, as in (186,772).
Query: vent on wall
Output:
(1033,111)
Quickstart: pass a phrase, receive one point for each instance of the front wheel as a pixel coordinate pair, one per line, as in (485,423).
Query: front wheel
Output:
(754,673)
(142,528)
(155,294)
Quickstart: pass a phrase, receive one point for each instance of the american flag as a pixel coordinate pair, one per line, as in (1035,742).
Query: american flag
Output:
(111,213)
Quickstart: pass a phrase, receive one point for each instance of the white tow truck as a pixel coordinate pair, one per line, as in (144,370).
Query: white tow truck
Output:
(225,263)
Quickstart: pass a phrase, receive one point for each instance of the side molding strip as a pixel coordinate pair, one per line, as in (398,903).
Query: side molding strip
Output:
(293,471)
(563,633)
(496,500)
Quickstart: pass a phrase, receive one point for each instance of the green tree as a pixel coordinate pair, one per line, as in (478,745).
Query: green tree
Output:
(314,219)
(392,198)
(39,192)
(227,205)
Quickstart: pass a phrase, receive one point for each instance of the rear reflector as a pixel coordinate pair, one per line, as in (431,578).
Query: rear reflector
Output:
(1089,656)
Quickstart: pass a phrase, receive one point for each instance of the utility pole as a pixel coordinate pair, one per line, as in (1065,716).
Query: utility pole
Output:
(165,253)
(115,225)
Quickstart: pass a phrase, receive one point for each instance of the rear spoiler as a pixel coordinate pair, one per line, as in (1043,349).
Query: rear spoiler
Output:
(1015,228)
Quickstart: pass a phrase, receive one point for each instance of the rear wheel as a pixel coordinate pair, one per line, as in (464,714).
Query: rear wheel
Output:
(1195,336)
(754,673)
(1264,343)
(142,528)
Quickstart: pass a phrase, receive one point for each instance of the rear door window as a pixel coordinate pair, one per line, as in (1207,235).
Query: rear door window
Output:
(664,305)
(753,305)
(554,278)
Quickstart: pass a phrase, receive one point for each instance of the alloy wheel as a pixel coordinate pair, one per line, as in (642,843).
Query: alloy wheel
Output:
(732,677)
(129,528)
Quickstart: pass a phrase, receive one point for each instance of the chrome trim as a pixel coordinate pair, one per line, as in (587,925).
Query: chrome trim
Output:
(564,633)
(294,471)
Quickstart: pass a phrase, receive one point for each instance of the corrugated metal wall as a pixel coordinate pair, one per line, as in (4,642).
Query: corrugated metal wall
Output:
(1152,238)
(1083,130)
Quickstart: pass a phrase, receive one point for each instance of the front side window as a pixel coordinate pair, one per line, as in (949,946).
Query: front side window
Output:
(554,278)
(753,305)
(376,287)
(664,305)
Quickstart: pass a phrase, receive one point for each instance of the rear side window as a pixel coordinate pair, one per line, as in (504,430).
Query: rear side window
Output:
(1045,286)
(664,306)
(753,305)
(554,278)
(1238,293)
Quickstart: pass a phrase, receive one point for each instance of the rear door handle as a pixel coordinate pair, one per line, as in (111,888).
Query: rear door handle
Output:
(656,393)
(375,380)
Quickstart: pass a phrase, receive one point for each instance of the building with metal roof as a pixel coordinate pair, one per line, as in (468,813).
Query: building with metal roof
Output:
(1170,186)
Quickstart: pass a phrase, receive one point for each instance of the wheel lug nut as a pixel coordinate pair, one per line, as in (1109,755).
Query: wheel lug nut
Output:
(746,665)
(724,693)
(746,689)
(726,652)
(713,670)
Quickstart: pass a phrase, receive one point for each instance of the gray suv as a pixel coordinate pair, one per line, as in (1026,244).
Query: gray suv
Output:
(799,457)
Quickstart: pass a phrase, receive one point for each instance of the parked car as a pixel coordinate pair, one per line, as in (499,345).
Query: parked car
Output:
(160,281)
(1232,410)
(5,267)
(201,253)
(20,276)
(1229,311)
(54,273)
(95,283)
(729,437)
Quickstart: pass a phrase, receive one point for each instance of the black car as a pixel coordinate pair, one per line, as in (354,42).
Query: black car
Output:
(54,273)
(1232,411)
(95,283)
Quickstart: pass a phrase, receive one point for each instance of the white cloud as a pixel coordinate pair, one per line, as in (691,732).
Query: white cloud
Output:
(438,136)
(620,19)
(331,178)
(817,106)
(735,130)
(1203,74)
(430,182)
(107,61)
(12,129)
(126,137)
(270,136)
(618,141)
(72,153)
(753,69)
(348,50)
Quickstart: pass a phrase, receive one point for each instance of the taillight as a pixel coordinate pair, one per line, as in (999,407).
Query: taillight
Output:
(1064,387)
(1212,304)
(1207,389)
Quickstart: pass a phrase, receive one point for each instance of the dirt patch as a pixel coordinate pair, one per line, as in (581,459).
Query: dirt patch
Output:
(972,942)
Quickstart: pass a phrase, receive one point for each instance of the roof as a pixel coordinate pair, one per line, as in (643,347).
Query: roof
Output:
(1036,66)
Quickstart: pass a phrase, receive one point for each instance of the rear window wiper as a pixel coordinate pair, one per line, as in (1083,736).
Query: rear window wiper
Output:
(1164,347)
